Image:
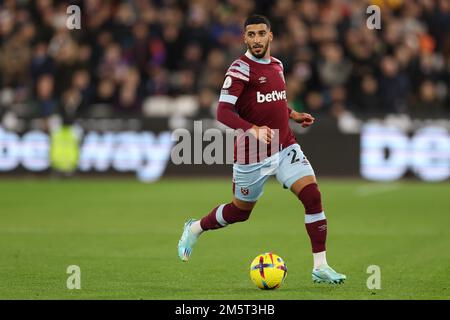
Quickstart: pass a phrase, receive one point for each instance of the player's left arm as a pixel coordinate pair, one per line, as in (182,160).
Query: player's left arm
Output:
(305,119)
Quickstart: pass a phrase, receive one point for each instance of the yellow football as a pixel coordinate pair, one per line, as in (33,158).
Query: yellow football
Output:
(268,271)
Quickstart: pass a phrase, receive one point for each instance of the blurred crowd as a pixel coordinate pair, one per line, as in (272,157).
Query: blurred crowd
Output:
(128,51)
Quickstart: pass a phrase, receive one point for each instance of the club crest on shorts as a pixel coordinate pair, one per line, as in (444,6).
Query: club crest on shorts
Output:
(245,191)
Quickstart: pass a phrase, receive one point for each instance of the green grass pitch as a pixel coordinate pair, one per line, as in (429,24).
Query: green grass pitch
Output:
(123,236)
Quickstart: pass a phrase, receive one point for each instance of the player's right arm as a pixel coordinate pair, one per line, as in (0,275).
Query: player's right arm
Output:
(236,79)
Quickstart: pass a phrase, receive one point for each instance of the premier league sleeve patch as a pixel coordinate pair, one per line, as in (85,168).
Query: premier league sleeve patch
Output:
(227,83)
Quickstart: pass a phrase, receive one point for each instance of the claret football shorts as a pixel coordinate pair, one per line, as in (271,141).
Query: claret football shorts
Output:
(288,166)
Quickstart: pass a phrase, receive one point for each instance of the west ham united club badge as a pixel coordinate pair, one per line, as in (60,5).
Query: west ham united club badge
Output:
(244,191)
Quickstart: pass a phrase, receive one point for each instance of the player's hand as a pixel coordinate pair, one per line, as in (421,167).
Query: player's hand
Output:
(264,133)
(305,119)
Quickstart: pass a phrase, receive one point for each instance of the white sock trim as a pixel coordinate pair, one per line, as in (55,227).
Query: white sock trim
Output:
(310,218)
(219,216)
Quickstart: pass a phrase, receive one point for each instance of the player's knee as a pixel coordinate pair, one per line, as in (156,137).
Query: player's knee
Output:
(243,216)
(234,214)
(311,198)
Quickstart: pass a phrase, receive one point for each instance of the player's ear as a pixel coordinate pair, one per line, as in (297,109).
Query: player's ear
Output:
(270,36)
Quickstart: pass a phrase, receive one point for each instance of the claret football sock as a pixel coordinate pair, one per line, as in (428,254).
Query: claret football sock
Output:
(315,219)
(316,226)
(311,198)
(223,215)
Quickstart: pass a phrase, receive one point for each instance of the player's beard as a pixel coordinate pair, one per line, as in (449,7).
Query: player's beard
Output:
(261,53)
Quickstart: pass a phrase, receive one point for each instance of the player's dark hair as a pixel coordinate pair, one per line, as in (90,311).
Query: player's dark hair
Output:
(257,19)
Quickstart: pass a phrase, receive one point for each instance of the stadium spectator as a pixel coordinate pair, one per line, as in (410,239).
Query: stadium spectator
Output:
(183,47)
(366,95)
(394,86)
(428,103)
(45,99)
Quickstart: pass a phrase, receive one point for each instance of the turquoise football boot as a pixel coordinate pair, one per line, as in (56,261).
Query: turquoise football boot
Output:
(326,274)
(187,241)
